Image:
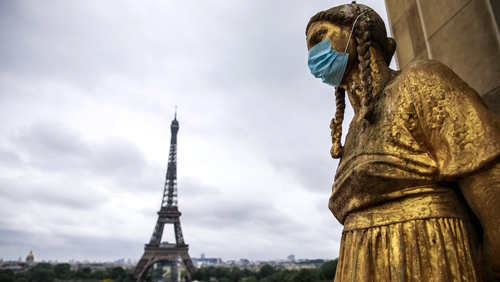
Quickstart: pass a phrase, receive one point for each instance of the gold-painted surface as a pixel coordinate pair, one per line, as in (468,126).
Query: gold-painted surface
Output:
(428,202)
(435,249)
(482,192)
(409,175)
(322,30)
(430,127)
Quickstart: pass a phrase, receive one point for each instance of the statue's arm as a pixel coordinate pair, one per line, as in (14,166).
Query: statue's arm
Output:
(460,132)
(482,192)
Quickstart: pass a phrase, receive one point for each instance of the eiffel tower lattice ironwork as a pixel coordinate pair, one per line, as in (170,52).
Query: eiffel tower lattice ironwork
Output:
(158,254)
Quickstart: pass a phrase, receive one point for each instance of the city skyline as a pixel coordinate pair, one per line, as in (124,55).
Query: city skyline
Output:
(202,256)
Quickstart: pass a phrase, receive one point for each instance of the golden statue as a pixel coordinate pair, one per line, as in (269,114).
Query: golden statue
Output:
(418,183)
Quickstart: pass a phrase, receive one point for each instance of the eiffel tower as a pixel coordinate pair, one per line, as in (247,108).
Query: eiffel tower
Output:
(157,254)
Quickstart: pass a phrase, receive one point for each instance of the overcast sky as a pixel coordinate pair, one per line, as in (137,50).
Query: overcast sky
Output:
(88,90)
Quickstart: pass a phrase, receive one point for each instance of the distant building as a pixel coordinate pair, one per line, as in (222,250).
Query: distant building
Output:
(20,264)
(244,261)
(317,263)
(291,258)
(30,259)
(204,261)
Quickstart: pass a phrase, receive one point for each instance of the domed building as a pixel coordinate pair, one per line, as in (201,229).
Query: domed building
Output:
(30,259)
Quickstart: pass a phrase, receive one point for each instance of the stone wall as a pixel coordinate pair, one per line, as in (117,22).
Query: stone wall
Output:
(463,34)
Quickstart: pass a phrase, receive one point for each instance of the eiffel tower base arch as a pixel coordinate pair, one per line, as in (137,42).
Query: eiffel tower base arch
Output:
(168,255)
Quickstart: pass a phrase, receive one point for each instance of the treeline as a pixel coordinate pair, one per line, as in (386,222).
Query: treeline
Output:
(45,272)
(267,273)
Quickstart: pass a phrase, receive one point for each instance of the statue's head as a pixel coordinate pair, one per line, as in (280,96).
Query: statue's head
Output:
(344,17)
(354,29)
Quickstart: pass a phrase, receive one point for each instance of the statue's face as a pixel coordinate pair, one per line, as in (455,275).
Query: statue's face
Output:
(339,35)
(319,31)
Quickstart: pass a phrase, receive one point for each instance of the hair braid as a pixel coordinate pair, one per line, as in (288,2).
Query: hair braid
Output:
(364,91)
(336,125)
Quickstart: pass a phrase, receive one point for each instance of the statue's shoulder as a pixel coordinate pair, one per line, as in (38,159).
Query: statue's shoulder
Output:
(424,69)
(430,81)
(431,77)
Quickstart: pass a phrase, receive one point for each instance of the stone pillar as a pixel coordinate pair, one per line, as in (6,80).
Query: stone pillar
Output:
(463,34)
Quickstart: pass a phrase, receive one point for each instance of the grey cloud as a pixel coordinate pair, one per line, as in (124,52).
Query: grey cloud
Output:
(52,147)
(10,159)
(11,237)
(229,214)
(79,43)
(36,192)
(189,187)
(313,173)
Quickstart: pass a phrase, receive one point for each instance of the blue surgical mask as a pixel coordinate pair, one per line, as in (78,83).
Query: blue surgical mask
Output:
(326,63)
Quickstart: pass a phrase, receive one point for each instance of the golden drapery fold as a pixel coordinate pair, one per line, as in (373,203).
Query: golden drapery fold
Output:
(433,249)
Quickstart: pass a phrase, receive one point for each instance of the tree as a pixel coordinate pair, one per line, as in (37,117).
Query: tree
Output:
(62,271)
(221,272)
(22,277)
(99,275)
(285,275)
(251,279)
(117,273)
(247,272)
(83,273)
(328,269)
(42,272)
(198,275)
(7,275)
(306,275)
(204,273)
(235,275)
(6,278)
(266,271)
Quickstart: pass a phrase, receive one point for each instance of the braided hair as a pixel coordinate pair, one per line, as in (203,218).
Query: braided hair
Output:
(368,29)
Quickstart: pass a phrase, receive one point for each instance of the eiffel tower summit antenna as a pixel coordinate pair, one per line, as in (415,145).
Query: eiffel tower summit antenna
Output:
(159,254)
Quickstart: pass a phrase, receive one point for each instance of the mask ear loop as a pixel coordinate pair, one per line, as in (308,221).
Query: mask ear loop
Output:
(352,28)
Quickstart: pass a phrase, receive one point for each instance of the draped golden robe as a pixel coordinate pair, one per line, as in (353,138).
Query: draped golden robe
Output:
(396,189)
